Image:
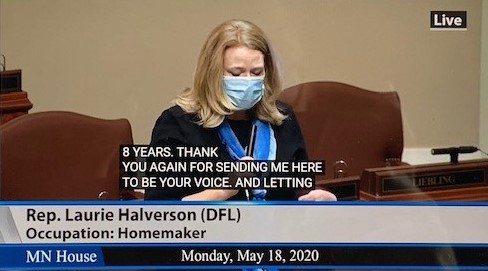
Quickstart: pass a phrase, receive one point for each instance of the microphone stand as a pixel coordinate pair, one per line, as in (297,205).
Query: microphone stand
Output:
(454,152)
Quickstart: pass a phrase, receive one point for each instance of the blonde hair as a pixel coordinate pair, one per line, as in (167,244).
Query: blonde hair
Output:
(207,97)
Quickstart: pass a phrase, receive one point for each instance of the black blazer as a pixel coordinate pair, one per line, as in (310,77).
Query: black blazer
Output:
(176,127)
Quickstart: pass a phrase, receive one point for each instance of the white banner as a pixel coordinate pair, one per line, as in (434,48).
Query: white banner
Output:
(243,223)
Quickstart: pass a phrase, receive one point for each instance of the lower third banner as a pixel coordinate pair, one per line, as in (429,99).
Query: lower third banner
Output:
(220,256)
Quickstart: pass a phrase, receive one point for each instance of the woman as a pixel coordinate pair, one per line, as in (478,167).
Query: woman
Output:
(235,86)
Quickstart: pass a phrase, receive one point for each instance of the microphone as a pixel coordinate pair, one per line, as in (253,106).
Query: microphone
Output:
(454,151)
(461,149)
(252,141)
(250,151)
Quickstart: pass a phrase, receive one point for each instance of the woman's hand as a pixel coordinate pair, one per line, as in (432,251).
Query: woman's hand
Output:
(212,194)
(318,195)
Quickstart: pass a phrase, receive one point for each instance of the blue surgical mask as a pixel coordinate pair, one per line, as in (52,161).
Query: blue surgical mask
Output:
(244,92)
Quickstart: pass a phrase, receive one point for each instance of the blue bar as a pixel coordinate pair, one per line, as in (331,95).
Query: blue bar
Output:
(42,256)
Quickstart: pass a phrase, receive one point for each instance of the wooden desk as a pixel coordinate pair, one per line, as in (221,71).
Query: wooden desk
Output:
(13,104)
(466,180)
(13,101)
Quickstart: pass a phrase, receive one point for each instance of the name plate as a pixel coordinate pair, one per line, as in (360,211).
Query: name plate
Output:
(445,180)
(464,180)
(344,188)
